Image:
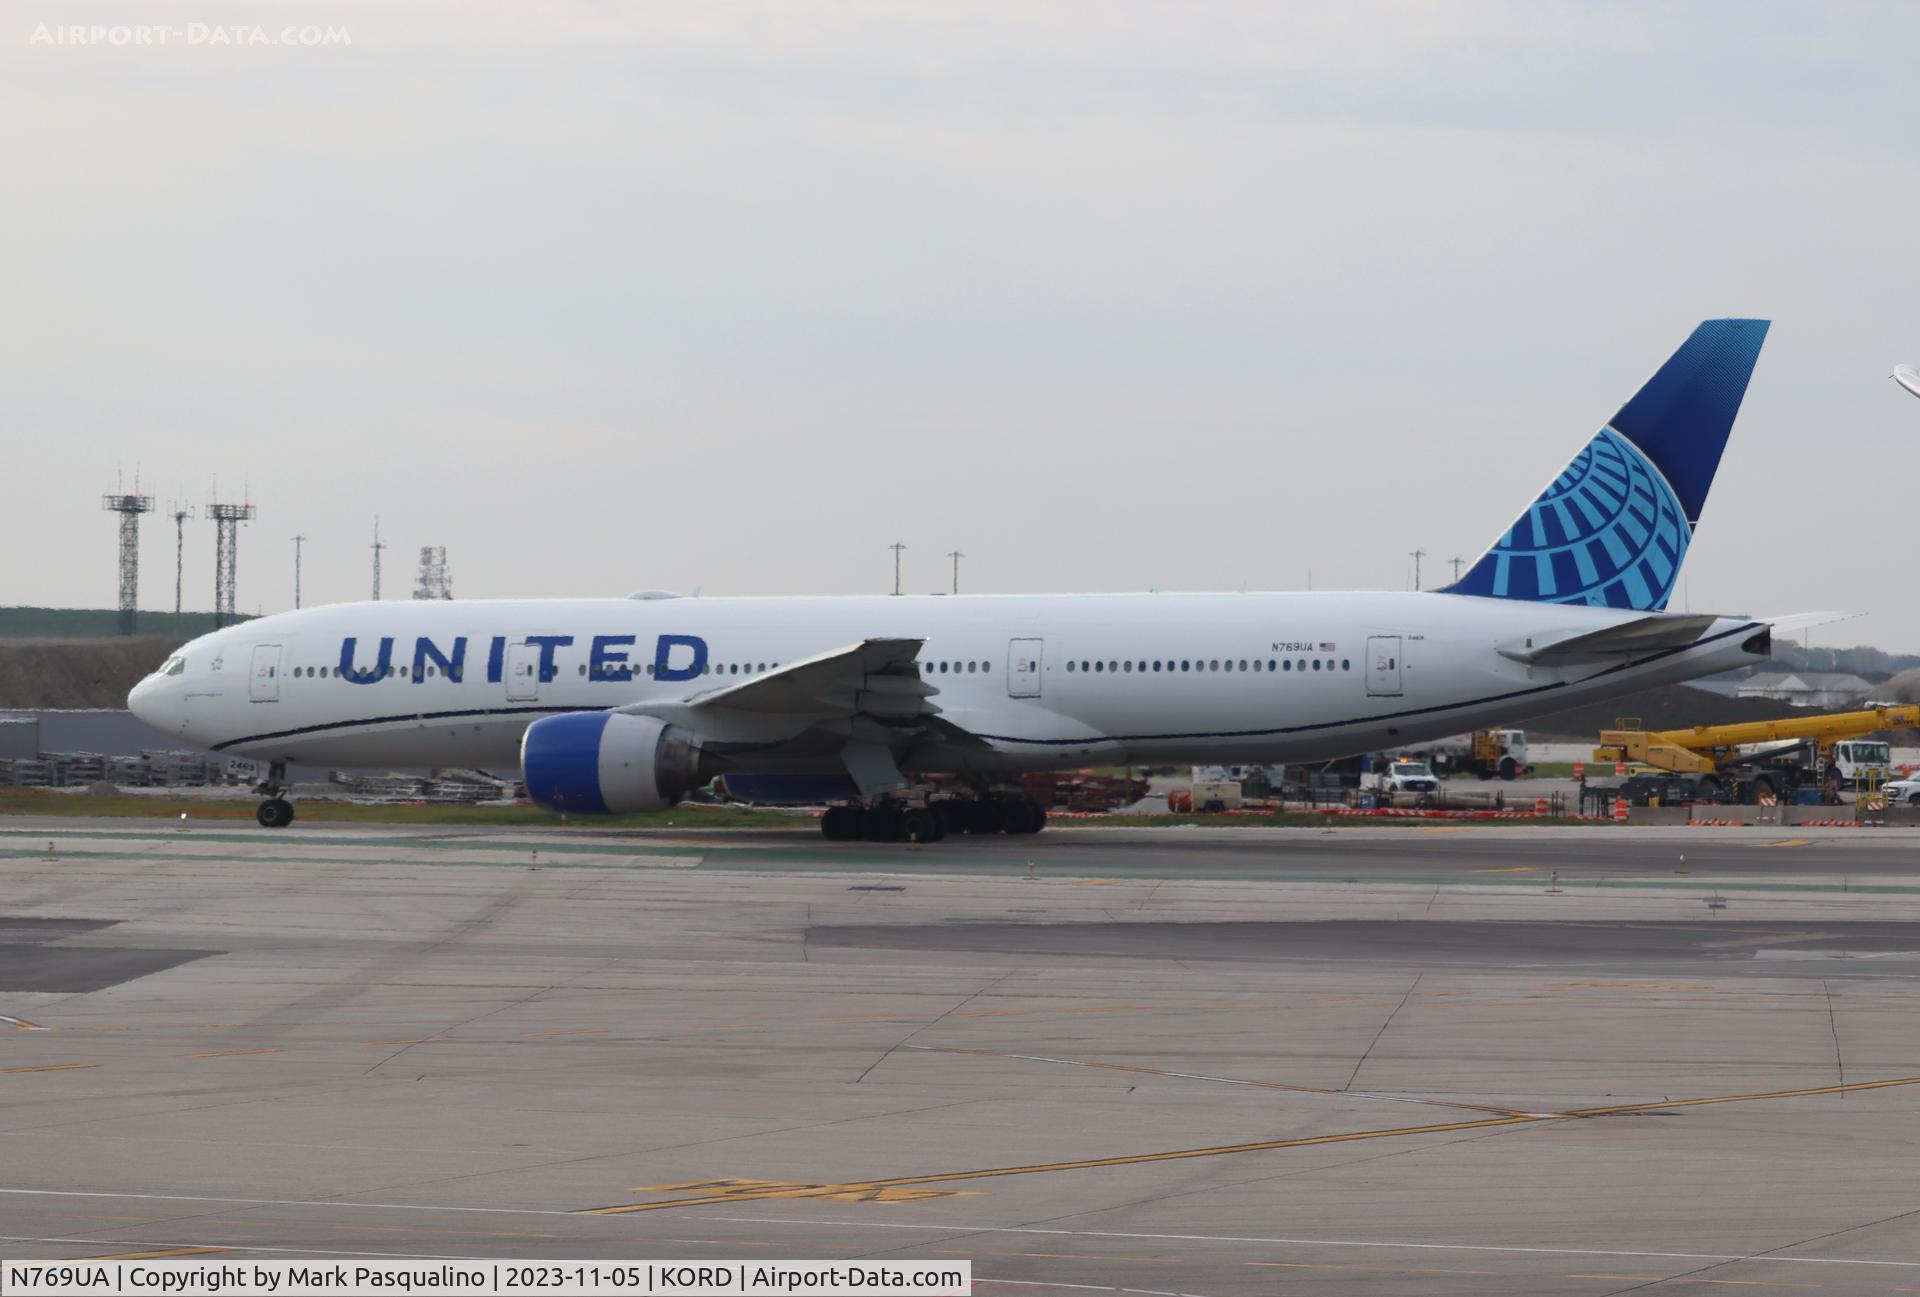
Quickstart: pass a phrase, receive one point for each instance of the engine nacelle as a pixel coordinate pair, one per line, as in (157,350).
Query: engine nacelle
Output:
(608,763)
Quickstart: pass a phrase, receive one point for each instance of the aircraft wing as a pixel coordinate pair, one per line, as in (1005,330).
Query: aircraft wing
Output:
(1904,375)
(865,702)
(876,677)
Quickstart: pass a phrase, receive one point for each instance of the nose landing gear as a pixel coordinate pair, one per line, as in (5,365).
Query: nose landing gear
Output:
(276,812)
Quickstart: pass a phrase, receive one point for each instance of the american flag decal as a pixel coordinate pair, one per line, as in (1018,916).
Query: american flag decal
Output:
(1326,648)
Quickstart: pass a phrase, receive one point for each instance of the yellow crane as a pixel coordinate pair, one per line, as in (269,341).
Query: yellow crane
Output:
(1717,750)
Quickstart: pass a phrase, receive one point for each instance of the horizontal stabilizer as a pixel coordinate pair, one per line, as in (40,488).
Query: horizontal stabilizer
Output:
(1630,639)
(1794,623)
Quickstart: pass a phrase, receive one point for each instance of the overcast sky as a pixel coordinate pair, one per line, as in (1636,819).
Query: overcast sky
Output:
(1114,296)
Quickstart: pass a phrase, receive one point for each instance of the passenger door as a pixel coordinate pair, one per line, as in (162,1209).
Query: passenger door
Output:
(1383,666)
(1023,668)
(263,681)
(523,673)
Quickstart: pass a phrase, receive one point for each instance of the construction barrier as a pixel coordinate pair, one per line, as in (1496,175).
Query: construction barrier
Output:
(1619,810)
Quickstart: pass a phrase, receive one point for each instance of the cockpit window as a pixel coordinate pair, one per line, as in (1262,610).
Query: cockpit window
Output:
(173,666)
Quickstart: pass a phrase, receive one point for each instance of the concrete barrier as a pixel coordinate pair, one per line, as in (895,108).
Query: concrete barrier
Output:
(1823,815)
(1656,815)
(1738,814)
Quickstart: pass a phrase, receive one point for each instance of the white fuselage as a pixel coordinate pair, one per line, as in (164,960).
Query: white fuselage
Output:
(1045,681)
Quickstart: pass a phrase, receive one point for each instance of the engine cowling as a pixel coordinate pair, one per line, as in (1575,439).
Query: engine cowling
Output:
(608,763)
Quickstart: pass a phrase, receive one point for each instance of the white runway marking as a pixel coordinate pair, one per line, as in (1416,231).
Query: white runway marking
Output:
(951,1227)
(1310,1242)
(230,1247)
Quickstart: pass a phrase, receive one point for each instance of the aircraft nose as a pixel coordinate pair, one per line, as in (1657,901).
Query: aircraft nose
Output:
(155,701)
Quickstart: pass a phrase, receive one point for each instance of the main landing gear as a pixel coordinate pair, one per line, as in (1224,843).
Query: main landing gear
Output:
(889,821)
(276,812)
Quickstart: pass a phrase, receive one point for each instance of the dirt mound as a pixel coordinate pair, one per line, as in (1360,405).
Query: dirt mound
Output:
(1903,688)
(78,673)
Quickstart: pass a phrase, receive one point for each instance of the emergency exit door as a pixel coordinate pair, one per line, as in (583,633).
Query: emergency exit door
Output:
(263,684)
(523,673)
(1383,666)
(1023,668)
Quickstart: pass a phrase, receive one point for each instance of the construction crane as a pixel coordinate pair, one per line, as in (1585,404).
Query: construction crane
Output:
(1734,762)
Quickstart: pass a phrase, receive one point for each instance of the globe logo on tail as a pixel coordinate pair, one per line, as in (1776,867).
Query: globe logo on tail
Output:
(1609,532)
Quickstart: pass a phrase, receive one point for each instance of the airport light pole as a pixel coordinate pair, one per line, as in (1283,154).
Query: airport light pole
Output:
(377,547)
(181,512)
(1416,556)
(896,547)
(298,541)
(1456,560)
(956,556)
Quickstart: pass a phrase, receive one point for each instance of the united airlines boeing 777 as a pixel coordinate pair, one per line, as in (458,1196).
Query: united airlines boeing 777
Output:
(614,705)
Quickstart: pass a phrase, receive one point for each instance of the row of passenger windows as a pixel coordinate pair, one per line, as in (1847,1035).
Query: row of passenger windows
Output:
(627,671)
(1220,664)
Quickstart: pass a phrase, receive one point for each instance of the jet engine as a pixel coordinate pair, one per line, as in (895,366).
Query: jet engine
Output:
(608,763)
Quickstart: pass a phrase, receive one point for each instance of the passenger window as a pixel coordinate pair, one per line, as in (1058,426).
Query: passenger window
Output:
(1099,666)
(1184,663)
(1113,666)
(943,668)
(1213,664)
(1128,667)
(1156,664)
(970,667)
(1316,664)
(1287,665)
(1243,664)
(1069,664)
(1346,664)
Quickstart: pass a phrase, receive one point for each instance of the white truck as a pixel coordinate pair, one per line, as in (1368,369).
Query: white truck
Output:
(1491,754)
(1412,777)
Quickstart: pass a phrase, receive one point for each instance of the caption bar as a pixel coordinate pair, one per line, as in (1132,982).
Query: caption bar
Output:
(219,1277)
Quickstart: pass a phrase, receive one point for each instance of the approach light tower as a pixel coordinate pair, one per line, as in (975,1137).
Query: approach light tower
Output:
(435,582)
(226,521)
(129,507)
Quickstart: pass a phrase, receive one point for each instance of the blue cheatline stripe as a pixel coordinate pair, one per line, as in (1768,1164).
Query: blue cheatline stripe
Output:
(399,719)
(1083,741)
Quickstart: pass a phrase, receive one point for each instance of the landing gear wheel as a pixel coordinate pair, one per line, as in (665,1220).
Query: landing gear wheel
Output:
(843,823)
(274,813)
(883,824)
(1024,817)
(919,825)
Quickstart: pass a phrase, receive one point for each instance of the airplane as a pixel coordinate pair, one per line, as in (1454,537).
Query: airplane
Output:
(1907,378)
(618,705)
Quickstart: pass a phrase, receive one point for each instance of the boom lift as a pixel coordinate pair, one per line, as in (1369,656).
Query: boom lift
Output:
(1732,763)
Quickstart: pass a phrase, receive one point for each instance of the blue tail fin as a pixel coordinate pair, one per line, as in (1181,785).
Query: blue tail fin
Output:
(1612,529)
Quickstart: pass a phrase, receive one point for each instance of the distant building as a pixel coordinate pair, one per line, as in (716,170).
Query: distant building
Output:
(1806,688)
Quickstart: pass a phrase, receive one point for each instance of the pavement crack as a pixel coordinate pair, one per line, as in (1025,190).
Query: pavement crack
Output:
(1374,1043)
(951,1010)
(1833,1025)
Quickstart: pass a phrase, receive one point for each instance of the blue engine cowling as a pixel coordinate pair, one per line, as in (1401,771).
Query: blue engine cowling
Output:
(607,763)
